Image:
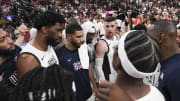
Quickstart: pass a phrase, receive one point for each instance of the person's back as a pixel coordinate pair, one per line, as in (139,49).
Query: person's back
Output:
(137,57)
(44,84)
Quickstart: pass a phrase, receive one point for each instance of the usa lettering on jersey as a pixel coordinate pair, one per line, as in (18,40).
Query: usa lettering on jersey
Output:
(77,66)
(52,60)
(13,78)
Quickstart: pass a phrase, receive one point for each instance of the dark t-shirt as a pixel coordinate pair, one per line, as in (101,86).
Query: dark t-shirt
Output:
(169,80)
(8,69)
(70,61)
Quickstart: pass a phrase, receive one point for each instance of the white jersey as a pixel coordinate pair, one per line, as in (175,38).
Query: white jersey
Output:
(45,58)
(153,95)
(112,44)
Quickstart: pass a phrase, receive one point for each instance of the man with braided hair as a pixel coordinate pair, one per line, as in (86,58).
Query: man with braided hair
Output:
(44,84)
(137,57)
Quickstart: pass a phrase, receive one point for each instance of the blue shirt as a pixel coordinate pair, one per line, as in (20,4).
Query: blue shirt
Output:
(8,69)
(70,60)
(169,80)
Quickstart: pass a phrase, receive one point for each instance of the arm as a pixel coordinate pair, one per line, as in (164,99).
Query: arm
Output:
(25,63)
(101,49)
(92,80)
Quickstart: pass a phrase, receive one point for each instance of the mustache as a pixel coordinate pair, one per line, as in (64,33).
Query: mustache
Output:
(59,39)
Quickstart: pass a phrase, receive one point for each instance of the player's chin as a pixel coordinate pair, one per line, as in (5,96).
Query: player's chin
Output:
(12,47)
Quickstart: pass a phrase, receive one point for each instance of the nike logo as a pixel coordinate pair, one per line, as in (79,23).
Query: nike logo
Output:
(69,60)
(42,58)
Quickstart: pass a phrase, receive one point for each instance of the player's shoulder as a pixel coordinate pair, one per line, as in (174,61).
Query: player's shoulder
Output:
(26,57)
(101,43)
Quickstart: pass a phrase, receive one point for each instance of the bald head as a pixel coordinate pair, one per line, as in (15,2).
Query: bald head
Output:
(168,28)
(165,27)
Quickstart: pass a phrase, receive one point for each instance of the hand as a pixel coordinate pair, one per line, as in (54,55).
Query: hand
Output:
(111,92)
(95,91)
(103,91)
(22,29)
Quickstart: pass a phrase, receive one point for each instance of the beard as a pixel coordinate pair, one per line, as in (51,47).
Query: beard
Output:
(88,41)
(53,42)
(75,44)
(7,52)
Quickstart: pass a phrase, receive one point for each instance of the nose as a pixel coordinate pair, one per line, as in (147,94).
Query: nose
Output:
(110,28)
(9,39)
(82,40)
(60,34)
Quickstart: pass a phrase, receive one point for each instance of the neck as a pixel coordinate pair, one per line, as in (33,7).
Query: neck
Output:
(168,52)
(40,42)
(135,88)
(70,47)
(110,38)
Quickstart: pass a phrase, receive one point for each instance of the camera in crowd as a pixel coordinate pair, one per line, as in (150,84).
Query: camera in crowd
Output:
(123,13)
(22,12)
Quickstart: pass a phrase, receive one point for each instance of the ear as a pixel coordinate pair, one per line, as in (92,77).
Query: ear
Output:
(163,39)
(44,29)
(68,36)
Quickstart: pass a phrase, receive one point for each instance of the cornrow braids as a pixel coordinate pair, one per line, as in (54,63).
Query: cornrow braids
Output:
(44,84)
(142,51)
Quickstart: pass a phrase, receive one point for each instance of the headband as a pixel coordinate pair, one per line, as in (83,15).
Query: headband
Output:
(129,68)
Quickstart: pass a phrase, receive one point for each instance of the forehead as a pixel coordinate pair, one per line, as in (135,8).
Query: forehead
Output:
(110,23)
(77,33)
(59,25)
(2,32)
